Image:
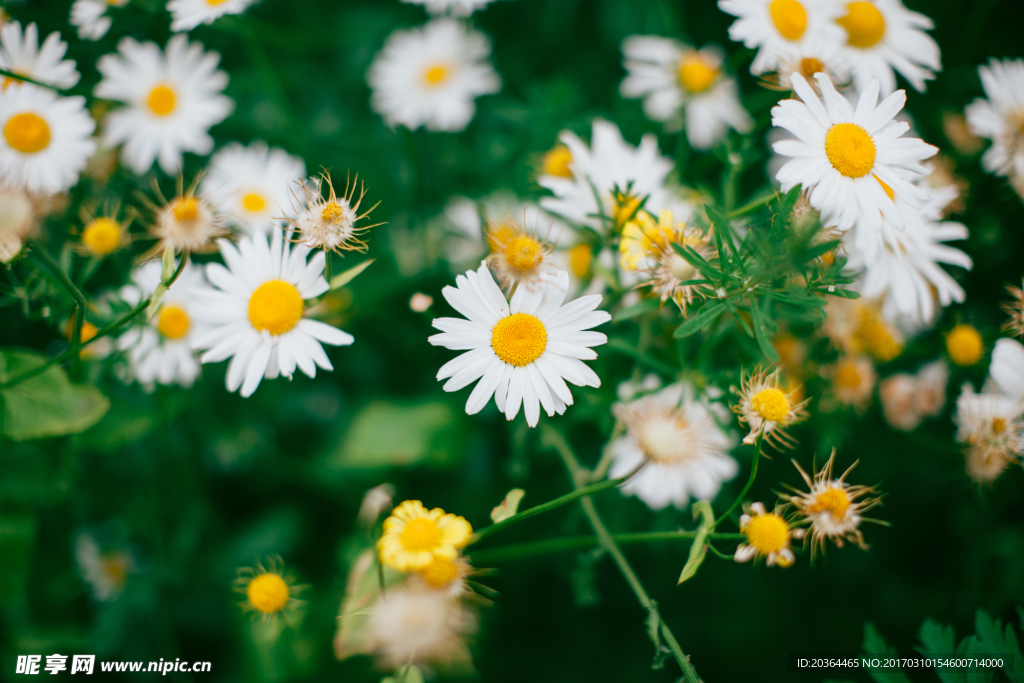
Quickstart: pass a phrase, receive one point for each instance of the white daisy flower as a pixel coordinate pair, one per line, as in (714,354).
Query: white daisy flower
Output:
(607,165)
(781,27)
(430,76)
(18,219)
(47,139)
(417,624)
(883,35)
(990,423)
(250,185)
(20,53)
(842,153)
(1007,368)
(522,352)
(161,350)
(329,221)
(1000,118)
(256,312)
(90,17)
(679,83)
(679,434)
(187,14)
(456,8)
(105,572)
(173,99)
(809,57)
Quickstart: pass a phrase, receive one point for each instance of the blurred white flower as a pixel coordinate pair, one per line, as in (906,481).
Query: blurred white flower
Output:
(20,53)
(187,14)
(430,76)
(684,87)
(90,17)
(256,312)
(1007,369)
(1000,118)
(777,29)
(106,573)
(520,351)
(250,185)
(456,8)
(416,624)
(47,139)
(161,349)
(908,399)
(173,99)
(883,35)
(679,434)
(17,220)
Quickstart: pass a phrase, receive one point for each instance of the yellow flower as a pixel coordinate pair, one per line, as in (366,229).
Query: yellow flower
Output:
(268,590)
(414,536)
(767,409)
(102,236)
(965,345)
(643,233)
(768,536)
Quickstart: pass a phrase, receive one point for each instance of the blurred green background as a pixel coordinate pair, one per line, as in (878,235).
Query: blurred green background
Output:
(198,483)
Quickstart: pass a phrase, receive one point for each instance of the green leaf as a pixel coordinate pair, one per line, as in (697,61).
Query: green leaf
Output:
(45,405)
(721,226)
(699,549)
(697,261)
(342,279)
(937,639)
(701,320)
(787,202)
(639,308)
(841,293)
(818,249)
(874,644)
(761,333)
(995,640)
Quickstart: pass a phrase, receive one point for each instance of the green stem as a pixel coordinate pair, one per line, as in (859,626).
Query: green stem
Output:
(579,474)
(570,543)
(25,79)
(38,252)
(750,482)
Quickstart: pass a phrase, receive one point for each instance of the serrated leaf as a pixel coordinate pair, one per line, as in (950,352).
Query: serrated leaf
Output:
(994,639)
(940,640)
(45,405)
(699,549)
(875,644)
(342,279)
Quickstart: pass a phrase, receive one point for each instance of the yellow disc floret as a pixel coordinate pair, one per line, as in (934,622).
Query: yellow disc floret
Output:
(332,212)
(415,537)
(102,236)
(696,74)
(441,572)
(435,75)
(162,100)
(186,209)
(864,24)
(810,66)
(173,322)
(556,162)
(832,500)
(519,339)
(276,306)
(850,150)
(790,18)
(581,257)
(965,345)
(523,252)
(767,533)
(28,133)
(268,593)
(771,404)
(846,375)
(254,202)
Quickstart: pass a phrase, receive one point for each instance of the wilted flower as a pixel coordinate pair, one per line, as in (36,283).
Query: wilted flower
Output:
(768,536)
(329,223)
(766,409)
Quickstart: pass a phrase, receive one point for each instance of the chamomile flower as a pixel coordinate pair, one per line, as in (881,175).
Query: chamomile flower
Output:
(768,536)
(678,434)
(831,507)
(1007,368)
(853,380)
(185,223)
(883,35)
(330,222)
(841,154)
(256,312)
(18,219)
(269,591)
(965,345)
(414,537)
(776,28)
(519,255)
(103,233)
(430,76)
(47,139)
(610,166)
(991,424)
(187,14)
(808,57)
(859,326)
(641,233)
(413,625)
(683,87)
(21,53)
(522,352)
(160,350)
(106,572)
(90,17)
(456,8)
(172,98)
(1000,117)
(908,399)
(1015,310)
(666,271)
(766,409)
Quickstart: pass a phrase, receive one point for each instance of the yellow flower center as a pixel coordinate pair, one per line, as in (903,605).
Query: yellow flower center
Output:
(810,66)
(435,75)
(519,339)
(998,425)
(173,322)
(833,500)
(268,593)
(847,376)
(767,533)
(211,3)
(790,18)
(864,24)
(440,572)
(771,404)
(102,236)
(332,212)
(556,162)
(186,209)
(965,345)
(523,253)
(874,337)
(254,202)
(850,149)
(581,257)
(421,534)
(162,100)
(88,331)
(27,133)
(695,74)
(276,306)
